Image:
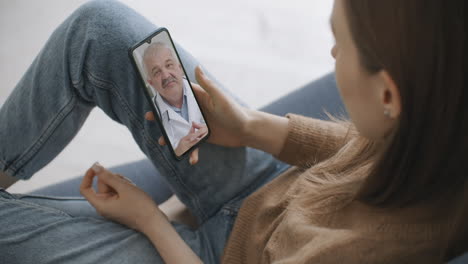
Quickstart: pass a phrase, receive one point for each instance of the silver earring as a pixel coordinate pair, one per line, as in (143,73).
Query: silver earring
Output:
(387,113)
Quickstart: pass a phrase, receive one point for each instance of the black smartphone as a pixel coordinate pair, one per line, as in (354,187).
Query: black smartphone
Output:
(169,92)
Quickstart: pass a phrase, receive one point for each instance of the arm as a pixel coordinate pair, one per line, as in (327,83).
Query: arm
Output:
(294,139)
(116,198)
(265,131)
(170,245)
(311,140)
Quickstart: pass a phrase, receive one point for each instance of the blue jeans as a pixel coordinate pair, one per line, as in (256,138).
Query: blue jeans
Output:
(85,64)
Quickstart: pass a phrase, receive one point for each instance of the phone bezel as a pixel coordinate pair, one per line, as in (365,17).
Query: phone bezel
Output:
(149,99)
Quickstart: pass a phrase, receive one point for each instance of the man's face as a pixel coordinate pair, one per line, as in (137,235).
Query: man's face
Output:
(165,74)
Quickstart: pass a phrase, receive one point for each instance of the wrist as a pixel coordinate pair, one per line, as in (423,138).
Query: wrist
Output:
(152,219)
(249,127)
(264,131)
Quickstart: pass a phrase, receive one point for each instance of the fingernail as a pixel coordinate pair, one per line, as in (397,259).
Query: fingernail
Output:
(97,167)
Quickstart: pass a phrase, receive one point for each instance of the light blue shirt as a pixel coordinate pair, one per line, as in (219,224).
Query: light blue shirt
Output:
(183,111)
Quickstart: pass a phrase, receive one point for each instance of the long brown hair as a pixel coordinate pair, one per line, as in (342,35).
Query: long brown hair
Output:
(421,44)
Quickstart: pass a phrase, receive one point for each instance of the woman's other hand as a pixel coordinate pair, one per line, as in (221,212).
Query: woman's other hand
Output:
(118,199)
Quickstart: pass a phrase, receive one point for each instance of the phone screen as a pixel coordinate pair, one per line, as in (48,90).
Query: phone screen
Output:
(170,92)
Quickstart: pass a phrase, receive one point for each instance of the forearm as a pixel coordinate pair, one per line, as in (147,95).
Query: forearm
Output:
(168,242)
(265,131)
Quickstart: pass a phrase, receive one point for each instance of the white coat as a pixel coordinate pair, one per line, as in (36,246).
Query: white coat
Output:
(175,125)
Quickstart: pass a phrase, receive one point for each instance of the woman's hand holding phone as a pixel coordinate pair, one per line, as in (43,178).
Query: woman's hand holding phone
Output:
(227,118)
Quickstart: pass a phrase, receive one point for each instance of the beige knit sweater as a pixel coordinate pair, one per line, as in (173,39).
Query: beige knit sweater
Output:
(267,231)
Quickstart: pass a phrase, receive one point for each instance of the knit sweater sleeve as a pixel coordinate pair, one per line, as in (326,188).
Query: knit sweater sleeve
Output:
(311,140)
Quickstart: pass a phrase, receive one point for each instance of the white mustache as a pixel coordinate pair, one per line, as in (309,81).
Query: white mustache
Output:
(168,80)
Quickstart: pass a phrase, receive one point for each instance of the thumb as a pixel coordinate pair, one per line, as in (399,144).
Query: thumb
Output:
(86,187)
(112,180)
(205,82)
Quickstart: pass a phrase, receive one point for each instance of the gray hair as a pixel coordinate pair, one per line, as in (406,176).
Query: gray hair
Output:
(152,49)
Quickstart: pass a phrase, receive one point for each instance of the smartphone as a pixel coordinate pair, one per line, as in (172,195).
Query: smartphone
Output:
(169,92)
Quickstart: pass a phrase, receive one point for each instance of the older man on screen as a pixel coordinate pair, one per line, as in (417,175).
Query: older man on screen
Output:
(179,112)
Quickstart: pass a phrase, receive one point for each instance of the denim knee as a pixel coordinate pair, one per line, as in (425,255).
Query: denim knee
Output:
(104,30)
(108,19)
(99,12)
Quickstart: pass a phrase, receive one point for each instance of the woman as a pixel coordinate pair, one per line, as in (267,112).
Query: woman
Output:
(385,188)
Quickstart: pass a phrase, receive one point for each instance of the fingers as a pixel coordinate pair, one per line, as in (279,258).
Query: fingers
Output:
(106,179)
(86,187)
(112,180)
(200,129)
(162,141)
(198,125)
(192,129)
(101,187)
(194,157)
(149,116)
(200,133)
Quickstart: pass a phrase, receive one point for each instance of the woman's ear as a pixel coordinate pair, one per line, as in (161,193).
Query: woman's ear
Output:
(389,96)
